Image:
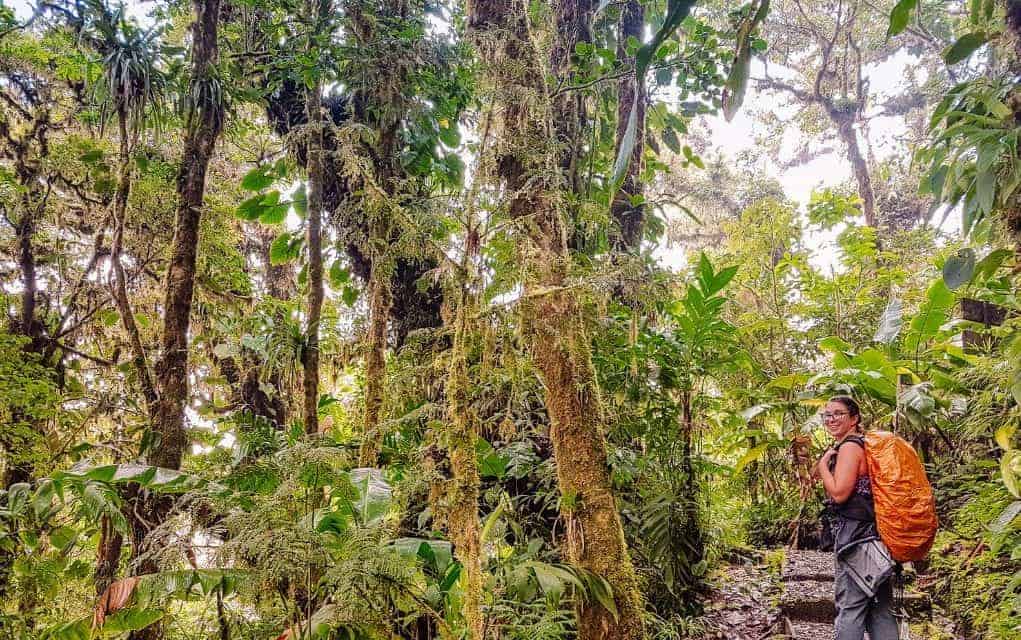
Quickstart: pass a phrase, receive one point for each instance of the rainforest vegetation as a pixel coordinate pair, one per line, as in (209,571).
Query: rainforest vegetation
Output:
(424,319)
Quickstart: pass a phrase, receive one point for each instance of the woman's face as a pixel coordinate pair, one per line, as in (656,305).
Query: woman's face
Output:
(838,420)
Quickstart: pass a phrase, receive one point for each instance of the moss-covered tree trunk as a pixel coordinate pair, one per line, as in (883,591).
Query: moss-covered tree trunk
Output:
(203,124)
(375,365)
(531,169)
(120,281)
(317,10)
(463,490)
(385,102)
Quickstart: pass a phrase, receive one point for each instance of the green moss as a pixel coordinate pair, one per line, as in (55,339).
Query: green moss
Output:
(972,578)
(986,504)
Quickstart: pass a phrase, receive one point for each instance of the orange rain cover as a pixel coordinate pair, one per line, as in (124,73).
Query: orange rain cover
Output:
(905,507)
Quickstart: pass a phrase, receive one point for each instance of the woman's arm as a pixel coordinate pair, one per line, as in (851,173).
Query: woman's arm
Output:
(839,485)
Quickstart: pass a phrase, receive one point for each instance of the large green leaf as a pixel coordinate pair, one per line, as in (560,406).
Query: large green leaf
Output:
(890,322)
(150,477)
(438,553)
(930,317)
(374,494)
(131,619)
(964,47)
(737,80)
(553,580)
(959,269)
(834,344)
(627,147)
(900,16)
(80,629)
(751,456)
(259,178)
(917,403)
(491,463)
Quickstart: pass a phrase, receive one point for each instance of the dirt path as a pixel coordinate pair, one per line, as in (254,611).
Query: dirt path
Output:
(744,603)
(754,602)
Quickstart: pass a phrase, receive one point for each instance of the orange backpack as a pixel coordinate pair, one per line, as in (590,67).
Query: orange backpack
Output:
(905,506)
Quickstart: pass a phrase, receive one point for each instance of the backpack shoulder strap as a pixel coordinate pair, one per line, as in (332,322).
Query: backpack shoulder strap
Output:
(858,440)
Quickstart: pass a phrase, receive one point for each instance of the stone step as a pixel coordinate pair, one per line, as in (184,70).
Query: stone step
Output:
(807,565)
(812,601)
(800,630)
(808,600)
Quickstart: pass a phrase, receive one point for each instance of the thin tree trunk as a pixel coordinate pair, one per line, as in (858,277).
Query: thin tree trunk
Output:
(859,166)
(221,617)
(120,286)
(204,122)
(18,465)
(384,104)
(26,260)
(317,10)
(527,165)
(692,527)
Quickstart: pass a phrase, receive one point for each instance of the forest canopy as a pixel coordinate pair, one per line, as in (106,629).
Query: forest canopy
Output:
(492,320)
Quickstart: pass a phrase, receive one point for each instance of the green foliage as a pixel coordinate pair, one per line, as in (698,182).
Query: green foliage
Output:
(830,207)
(28,396)
(133,84)
(972,160)
(710,378)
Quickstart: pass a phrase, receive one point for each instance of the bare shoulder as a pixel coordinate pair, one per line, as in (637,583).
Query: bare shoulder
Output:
(851,452)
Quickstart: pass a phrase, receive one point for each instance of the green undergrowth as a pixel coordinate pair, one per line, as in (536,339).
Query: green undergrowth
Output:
(971,576)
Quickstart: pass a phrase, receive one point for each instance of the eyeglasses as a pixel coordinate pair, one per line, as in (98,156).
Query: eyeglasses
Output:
(826,417)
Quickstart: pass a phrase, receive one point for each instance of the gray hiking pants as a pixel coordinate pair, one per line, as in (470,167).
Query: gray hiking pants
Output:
(858,613)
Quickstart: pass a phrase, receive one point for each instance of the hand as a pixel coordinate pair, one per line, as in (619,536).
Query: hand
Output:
(824,462)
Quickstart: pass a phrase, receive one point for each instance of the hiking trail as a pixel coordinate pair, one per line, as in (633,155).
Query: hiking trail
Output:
(751,602)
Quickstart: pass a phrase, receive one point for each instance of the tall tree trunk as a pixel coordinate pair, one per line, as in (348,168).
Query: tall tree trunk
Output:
(375,366)
(574,25)
(692,531)
(203,124)
(630,95)
(463,493)
(317,11)
(18,447)
(529,164)
(383,112)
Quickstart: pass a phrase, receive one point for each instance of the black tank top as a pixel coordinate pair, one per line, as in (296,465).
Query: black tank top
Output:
(853,521)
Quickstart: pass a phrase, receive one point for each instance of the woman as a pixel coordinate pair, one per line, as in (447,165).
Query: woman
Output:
(844,474)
